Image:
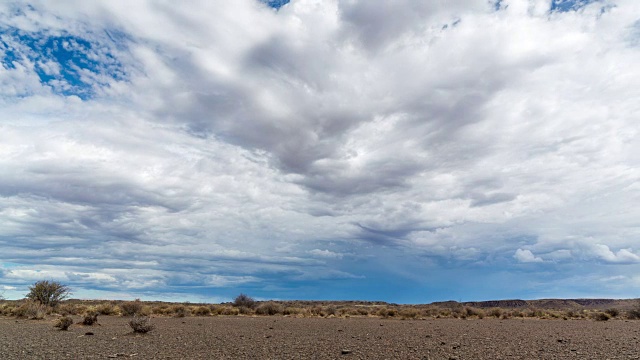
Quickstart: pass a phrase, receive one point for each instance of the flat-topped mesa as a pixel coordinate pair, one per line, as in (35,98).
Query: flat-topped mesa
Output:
(509,304)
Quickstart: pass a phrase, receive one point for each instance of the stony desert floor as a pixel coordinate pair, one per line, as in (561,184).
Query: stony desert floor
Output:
(275,337)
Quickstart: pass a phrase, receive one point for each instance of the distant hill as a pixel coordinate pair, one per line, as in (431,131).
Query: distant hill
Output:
(552,304)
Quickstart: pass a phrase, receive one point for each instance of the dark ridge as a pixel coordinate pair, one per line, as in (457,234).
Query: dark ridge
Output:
(511,304)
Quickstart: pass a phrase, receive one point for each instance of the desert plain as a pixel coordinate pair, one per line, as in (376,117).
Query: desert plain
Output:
(282,337)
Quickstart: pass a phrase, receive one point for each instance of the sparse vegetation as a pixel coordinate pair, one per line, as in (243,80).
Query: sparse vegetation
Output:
(180,311)
(244,300)
(90,318)
(64,322)
(269,308)
(612,312)
(48,293)
(600,316)
(131,308)
(141,324)
(32,310)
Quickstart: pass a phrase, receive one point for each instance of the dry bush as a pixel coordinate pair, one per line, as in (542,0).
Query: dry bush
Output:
(292,311)
(141,324)
(612,312)
(202,311)
(63,323)
(244,300)
(362,311)
(161,310)
(633,314)
(471,311)
(180,310)
(269,308)
(90,318)
(131,308)
(386,312)
(409,313)
(600,316)
(495,312)
(227,310)
(245,310)
(216,309)
(317,311)
(70,309)
(106,309)
(32,310)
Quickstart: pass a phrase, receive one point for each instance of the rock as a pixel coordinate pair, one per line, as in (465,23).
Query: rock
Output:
(345,352)
(89,333)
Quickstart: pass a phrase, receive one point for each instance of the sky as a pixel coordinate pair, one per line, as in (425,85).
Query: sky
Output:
(397,150)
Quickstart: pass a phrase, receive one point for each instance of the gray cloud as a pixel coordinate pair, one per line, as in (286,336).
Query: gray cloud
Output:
(244,146)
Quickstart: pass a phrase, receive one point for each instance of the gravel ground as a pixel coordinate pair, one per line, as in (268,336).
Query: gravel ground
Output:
(312,338)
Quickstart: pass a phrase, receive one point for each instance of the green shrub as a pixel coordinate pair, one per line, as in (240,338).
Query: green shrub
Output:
(48,293)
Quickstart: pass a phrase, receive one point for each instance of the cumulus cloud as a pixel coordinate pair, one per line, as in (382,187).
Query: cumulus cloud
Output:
(233,146)
(526,256)
(621,256)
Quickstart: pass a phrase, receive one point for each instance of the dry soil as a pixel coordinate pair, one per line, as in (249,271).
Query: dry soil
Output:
(315,338)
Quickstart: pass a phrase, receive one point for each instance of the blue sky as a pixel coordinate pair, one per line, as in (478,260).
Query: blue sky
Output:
(405,151)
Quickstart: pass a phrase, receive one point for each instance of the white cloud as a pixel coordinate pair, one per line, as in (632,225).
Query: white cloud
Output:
(244,145)
(621,256)
(526,256)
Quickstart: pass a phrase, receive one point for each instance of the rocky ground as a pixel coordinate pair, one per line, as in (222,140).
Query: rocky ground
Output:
(316,338)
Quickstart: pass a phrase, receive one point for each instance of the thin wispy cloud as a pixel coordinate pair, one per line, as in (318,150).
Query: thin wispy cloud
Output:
(394,150)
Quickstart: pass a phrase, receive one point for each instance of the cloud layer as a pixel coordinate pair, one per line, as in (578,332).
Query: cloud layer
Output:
(347,149)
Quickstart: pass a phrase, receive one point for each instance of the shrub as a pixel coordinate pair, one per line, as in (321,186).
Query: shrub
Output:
(386,312)
(141,324)
(244,310)
(612,312)
(495,312)
(633,314)
(202,311)
(180,311)
(409,313)
(292,311)
(244,300)
(600,316)
(63,323)
(229,311)
(107,309)
(131,308)
(70,309)
(90,318)
(269,308)
(32,310)
(48,293)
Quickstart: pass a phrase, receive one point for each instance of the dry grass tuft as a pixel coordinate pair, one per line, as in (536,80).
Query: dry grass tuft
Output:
(63,323)
(141,324)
